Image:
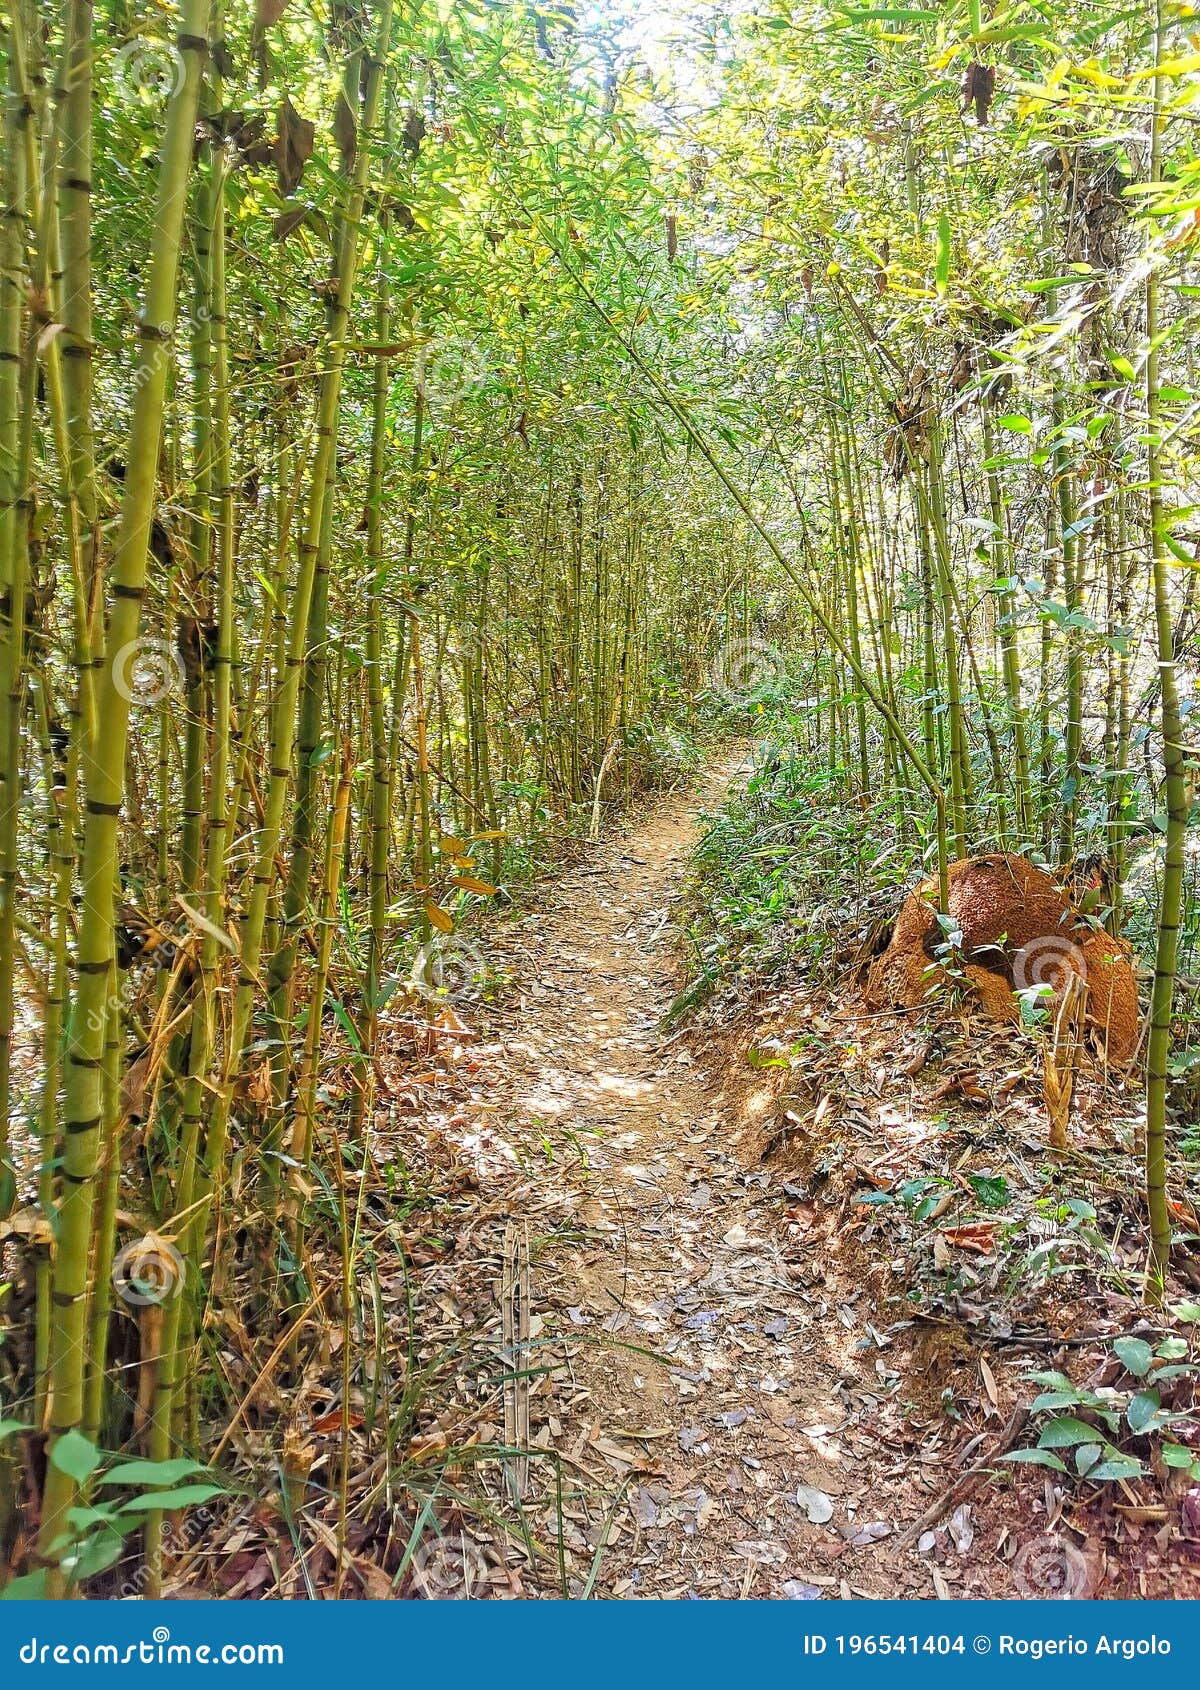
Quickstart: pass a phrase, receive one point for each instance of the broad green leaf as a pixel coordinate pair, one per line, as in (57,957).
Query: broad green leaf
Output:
(30,1587)
(83,1519)
(152,1472)
(98,1553)
(1117,1467)
(1035,1458)
(1135,1354)
(185,1497)
(1066,1431)
(75,1455)
(1059,1399)
(1143,1412)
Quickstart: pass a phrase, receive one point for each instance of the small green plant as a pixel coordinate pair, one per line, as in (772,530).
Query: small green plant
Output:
(1070,1241)
(1034,1003)
(922,1196)
(98,1529)
(1092,1429)
(949,952)
(781,867)
(991,1190)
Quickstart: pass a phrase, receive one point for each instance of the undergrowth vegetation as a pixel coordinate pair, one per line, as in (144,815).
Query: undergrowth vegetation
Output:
(786,866)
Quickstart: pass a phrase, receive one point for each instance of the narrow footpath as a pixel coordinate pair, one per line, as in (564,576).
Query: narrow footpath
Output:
(718,1403)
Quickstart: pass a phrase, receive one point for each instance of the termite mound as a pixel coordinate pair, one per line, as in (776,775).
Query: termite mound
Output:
(1019,929)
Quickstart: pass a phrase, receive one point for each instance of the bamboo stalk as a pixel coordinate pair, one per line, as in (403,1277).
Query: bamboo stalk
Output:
(104,773)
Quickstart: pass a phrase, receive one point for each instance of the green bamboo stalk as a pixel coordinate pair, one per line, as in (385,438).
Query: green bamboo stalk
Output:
(294,903)
(282,964)
(17,376)
(73,94)
(1009,639)
(208,886)
(1175,757)
(104,773)
(283,712)
(207,210)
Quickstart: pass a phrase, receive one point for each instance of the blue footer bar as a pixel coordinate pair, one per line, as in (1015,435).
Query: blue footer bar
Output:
(614,1645)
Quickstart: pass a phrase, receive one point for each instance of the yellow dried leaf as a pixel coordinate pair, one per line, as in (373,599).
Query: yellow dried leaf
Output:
(438,917)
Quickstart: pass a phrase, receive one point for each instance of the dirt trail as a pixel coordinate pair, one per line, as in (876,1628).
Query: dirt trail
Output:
(707,1370)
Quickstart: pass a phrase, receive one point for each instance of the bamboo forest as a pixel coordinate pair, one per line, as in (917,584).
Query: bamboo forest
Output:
(599,845)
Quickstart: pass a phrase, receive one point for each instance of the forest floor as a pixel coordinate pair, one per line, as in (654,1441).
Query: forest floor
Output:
(710,1348)
(727,1398)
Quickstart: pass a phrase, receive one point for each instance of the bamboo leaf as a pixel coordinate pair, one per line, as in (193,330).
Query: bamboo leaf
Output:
(886,14)
(200,920)
(942,272)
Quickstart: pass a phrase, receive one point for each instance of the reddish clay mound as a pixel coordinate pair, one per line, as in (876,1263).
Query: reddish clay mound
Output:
(1018,930)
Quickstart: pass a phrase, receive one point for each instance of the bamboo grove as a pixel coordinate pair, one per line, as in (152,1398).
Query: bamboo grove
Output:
(413,420)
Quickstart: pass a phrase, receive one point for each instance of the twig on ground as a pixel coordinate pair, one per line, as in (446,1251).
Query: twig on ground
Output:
(967,1483)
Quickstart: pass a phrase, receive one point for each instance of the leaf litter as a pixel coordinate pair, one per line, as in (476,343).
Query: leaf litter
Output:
(732,1390)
